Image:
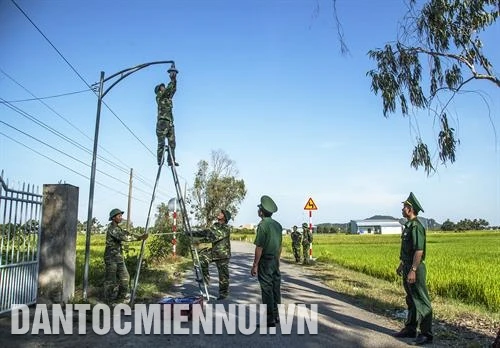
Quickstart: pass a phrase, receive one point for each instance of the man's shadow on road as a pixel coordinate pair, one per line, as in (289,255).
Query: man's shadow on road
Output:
(246,289)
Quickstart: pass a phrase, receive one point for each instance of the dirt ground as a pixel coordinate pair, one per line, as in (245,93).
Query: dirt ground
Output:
(340,323)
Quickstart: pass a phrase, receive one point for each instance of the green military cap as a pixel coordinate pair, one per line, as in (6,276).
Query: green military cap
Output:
(267,204)
(305,225)
(114,212)
(157,88)
(227,215)
(414,203)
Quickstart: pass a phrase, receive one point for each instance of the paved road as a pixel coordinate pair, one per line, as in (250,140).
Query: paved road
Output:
(339,323)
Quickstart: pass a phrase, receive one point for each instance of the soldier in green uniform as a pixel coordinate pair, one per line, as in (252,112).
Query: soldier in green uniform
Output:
(165,121)
(412,269)
(296,240)
(266,263)
(307,239)
(220,252)
(116,281)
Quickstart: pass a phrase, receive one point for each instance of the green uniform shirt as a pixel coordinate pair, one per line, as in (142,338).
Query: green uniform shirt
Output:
(307,238)
(220,237)
(269,236)
(412,239)
(114,238)
(164,101)
(296,237)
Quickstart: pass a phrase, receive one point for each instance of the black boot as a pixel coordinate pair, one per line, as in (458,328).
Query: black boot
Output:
(171,154)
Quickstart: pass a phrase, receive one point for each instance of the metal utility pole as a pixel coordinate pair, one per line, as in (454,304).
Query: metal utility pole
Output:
(129,198)
(101,93)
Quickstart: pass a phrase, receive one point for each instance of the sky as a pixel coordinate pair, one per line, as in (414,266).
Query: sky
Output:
(264,81)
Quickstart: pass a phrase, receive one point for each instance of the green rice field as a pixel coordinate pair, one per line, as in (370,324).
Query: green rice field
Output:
(462,266)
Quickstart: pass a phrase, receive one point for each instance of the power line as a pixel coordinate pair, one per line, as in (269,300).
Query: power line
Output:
(62,165)
(62,136)
(44,125)
(51,44)
(68,155)
(41,98)
(80,76)
(124,169)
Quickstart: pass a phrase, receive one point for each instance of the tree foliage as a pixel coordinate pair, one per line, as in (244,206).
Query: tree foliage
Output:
(440,41)
(161,235)
(216,187)
(465,225)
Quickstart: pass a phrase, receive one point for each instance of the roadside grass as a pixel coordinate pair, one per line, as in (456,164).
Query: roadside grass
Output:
(155,278)
(461,266)
(350,270)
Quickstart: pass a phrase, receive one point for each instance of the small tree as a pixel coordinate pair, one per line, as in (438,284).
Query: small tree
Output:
(216,187)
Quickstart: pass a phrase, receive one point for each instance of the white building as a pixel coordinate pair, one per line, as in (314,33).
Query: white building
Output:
(376,227)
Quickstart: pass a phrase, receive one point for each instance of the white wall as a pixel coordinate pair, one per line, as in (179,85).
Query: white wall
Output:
(391,230)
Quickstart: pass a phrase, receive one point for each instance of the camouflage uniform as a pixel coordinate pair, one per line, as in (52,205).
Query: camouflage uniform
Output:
(296,240)
(116,281)
(307,239)
(220,252)
(165,122)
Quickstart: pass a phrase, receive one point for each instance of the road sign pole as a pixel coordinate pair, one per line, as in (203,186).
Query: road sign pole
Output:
(310,206)
(310,230)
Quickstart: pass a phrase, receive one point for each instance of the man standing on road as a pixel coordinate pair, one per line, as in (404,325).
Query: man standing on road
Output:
(296,239)
(307,239)
(266,263)
(165,121)
(412,269)
(116,281)
(220,252)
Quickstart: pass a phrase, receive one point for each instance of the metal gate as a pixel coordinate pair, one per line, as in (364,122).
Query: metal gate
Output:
(20,226)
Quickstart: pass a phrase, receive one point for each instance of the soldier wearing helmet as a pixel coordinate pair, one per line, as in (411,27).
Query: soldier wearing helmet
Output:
(116,280)
(266,264)
(220,252)
(165,120)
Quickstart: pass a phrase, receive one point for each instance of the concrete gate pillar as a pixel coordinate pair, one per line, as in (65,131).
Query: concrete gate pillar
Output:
(56,279)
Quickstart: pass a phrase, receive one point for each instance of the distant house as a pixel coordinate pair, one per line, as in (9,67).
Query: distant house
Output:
(382,226)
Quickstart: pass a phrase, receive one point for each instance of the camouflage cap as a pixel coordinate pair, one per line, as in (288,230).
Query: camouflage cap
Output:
(414,203)
(267,204)
(114,212)
(227,215)
(305,225)
(157,88)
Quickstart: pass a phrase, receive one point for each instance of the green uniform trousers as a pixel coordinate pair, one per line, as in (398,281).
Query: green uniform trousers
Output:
(418,301)
(205,257)
(165,129)
(305,248)
(269,276)
(116,280)
(296,250)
